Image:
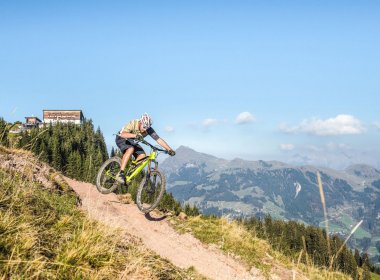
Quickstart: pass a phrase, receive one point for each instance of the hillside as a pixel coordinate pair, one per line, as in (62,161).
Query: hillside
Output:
(44,235)
(59,239)
(240,188)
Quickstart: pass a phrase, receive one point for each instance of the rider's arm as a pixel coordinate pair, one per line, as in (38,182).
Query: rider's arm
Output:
(125,134)
(159,140)
(163,144)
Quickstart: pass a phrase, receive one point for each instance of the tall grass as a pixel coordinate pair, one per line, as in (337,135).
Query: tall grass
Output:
(333,257)
(322,195)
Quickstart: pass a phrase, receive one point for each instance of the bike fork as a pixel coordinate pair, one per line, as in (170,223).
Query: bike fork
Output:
(152,187)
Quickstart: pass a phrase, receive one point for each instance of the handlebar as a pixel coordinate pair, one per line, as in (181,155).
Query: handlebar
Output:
(153,147)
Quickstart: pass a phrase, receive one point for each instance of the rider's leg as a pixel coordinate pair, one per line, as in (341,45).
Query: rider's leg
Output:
(140,156)
(139,153)
(126,157)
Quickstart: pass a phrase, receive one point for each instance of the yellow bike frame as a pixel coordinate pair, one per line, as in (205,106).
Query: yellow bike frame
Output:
(139,165)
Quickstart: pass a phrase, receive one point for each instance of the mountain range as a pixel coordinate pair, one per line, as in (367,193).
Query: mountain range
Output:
(241,188)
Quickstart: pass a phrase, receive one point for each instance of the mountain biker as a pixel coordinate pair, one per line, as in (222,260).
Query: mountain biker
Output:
(126,141)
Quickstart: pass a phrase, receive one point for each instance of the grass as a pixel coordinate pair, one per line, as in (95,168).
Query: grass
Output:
(43,235)
(276,212)
(228,236)
(361,233)
(372,251)
(234,239)
(349,222)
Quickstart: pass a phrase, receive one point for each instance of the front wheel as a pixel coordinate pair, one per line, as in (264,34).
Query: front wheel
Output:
(106,178)
(151,190)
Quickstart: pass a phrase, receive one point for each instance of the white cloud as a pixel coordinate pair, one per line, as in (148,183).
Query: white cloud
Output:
(209,122)
(341,124)
(245,117)
(205,125)
(377,125)
(287,147)
(169,128)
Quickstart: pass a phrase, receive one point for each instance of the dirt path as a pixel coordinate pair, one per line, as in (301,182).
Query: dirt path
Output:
(183,250)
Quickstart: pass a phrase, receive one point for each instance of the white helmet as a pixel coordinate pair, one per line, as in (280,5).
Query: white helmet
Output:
(146,121)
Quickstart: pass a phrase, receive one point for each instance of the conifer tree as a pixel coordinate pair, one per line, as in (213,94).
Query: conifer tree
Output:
(366,274)
(358,258)
(352,267)
(43,151)
(76,150)
(4,130)
(365,260)
(112,152)
(56,155)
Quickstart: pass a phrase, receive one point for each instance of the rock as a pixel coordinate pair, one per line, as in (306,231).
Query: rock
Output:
(169,214)
(182,216)
(256,273)
(126,198)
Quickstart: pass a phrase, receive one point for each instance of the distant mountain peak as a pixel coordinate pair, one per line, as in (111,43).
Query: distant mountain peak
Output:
(185,152)
(184,148)
(363,171)
(237,159)
(187,155)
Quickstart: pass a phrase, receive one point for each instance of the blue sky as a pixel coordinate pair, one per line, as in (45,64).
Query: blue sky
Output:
(307,72)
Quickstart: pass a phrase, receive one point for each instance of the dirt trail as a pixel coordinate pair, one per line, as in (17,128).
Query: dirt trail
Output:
(183,250)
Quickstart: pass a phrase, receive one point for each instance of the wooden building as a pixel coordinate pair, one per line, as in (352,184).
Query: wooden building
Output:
(64,116)
(32,122)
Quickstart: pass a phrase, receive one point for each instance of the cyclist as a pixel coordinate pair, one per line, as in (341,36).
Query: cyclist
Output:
(126,141)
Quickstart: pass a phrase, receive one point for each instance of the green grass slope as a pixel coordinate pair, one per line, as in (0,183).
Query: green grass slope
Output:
(234,239)
(44,235)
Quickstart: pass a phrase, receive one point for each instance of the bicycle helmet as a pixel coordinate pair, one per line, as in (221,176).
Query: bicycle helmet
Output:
(146,121)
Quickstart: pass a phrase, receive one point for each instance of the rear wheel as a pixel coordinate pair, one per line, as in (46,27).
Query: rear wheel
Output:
(151,190)
(106,178)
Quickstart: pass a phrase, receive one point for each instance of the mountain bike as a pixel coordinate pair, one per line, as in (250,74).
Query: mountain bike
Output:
(152,185)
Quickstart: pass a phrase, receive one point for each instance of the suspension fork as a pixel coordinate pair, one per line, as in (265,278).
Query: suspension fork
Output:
(155,165)
(152,186)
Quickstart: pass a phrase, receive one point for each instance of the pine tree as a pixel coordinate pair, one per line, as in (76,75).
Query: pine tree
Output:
(43,152)
(268,226)
(55,156)
(348,263)
(112,152)
(187,209)
(73,168)
(366,275)
(352,267)
(287,238)
(24,140)
(365,260)
(358,258)
(4,130)
(76,150)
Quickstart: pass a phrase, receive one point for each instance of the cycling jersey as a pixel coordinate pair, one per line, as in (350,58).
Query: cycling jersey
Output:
(133,127)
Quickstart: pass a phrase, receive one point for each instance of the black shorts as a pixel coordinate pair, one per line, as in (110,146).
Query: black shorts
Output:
(125,144)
